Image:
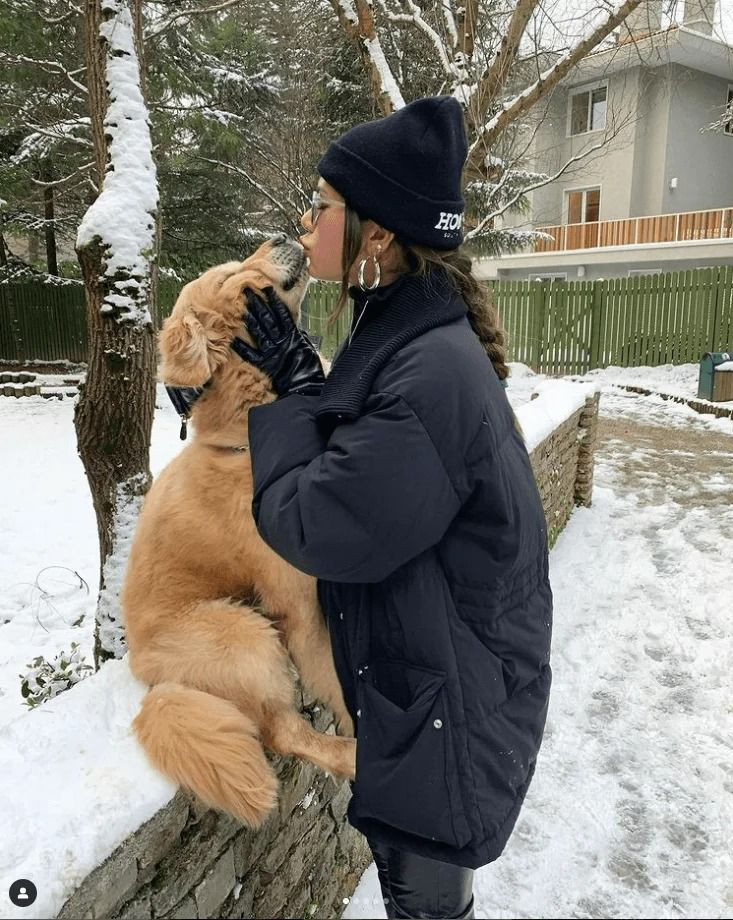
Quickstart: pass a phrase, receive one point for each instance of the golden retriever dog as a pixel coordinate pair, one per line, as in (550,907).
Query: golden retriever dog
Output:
(212,614)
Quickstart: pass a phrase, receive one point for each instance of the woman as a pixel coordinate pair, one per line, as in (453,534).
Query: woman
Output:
(402,483)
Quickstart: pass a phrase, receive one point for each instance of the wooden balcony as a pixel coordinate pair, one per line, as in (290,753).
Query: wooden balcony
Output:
(661,228)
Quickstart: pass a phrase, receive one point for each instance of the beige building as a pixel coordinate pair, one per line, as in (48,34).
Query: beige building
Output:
(651,189)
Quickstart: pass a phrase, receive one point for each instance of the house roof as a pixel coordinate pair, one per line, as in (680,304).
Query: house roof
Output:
(676,45)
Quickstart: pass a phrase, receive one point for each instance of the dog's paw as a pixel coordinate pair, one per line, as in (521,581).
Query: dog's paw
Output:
(348,764)
(345,726)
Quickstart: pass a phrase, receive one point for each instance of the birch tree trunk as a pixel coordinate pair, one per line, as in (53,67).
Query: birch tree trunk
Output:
(115,247)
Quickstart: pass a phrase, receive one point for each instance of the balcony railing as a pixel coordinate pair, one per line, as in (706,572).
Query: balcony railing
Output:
(662,228)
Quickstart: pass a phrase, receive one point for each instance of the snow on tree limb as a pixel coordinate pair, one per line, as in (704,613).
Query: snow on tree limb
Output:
(122,219)
(41,141)
(540,182)
(510,111)
(348,11)
(187,14)
(450,23)
(498,71)
(357,20)
(416,15)
(48,67)
(388,82)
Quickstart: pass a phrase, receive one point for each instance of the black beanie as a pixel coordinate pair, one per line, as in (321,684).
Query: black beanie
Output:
(404,171)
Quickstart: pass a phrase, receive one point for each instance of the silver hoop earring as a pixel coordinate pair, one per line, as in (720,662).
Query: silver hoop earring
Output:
(377,275)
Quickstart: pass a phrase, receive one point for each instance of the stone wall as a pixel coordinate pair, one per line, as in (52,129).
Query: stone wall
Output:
(563,466)
(190,862)
(305,861)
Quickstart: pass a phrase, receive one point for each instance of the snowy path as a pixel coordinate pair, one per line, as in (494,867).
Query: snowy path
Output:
(629,814)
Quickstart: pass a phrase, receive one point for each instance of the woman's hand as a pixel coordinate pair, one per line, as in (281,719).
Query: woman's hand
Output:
(283,352)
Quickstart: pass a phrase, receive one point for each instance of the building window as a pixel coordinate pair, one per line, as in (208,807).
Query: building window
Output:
(552,276)
(728,128)
(588,110)
(584,205)
(634,272)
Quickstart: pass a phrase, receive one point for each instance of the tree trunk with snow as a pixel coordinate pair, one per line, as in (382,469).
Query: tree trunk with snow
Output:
(115,246)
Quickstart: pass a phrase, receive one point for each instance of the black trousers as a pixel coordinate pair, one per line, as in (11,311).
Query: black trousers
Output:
(417,887)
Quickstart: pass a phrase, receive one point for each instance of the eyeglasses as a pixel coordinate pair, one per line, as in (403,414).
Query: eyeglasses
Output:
(318,199)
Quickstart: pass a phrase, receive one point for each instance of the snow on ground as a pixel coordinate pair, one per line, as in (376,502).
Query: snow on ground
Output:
(675,379)
(49,567)
(64,813)
(627,815)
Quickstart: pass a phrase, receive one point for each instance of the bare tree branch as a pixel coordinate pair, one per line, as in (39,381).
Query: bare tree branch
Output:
(532,187)
(55,182)
(230,167)
(492,82)
(547,81)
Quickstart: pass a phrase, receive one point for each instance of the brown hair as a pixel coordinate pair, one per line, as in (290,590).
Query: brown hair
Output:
(482,313)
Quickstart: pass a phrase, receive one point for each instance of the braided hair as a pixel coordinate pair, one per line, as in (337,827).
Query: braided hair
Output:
(482,313)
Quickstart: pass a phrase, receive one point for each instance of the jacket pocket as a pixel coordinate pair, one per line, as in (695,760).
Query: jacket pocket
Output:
(405,762)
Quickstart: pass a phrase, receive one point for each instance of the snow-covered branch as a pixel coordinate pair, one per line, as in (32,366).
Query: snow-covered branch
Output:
(724,123)
(57,20)
(521,103)
(53,67)
(450,22)
(184,14)
(496,75)
(41,140)
(417,17)
(357,21)
(56,182)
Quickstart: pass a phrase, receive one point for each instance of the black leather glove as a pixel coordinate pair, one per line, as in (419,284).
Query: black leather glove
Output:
(284,353)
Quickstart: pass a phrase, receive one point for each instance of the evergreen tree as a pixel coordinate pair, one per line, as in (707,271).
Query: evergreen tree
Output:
(45,148)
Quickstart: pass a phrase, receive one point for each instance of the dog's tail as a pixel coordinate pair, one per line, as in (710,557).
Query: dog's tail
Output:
(206,744)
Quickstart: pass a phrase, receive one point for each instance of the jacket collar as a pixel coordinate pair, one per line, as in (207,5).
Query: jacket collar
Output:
(403,310)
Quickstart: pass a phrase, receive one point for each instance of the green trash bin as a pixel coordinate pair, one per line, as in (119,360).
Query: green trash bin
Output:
(708,387)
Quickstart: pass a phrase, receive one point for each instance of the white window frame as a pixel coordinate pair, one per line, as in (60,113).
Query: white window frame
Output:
(550,276)
(584,189)
(728,129)
(578,91)
(635,272)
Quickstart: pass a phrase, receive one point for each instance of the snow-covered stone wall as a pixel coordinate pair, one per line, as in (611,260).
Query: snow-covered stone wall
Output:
(563,463)
(188,861)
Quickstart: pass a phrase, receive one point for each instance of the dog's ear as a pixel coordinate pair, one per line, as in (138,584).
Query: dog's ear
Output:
(192,346)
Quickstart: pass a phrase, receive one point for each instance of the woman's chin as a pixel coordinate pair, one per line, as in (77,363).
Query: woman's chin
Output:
(317,276)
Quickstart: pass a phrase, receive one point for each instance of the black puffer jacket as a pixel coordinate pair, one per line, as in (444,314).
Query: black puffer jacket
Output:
(406,490)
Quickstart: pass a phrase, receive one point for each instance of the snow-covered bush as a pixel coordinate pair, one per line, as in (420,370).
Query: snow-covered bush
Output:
(46,679)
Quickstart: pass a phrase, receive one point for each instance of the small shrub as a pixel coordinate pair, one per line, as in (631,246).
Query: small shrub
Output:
(46,679)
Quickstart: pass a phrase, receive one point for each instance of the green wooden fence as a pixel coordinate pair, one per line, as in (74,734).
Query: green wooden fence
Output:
(554,327)
(42,322)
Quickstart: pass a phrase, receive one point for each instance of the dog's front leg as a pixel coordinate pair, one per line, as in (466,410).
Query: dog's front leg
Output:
(310,648)
(291,598)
